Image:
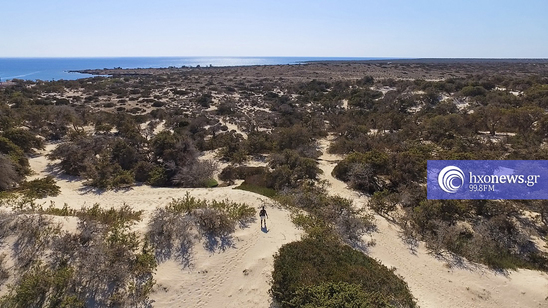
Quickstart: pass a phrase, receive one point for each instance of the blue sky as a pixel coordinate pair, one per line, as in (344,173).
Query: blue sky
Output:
(344,28)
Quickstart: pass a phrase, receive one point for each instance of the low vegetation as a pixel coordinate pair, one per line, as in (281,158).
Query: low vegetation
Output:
(154,129)
(320,272)
(172,228)
(102,263)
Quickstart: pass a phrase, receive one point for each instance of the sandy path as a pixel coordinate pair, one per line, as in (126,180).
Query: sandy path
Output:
(239,276)
(430,280)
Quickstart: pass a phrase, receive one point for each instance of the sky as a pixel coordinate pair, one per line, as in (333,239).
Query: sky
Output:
(299,28)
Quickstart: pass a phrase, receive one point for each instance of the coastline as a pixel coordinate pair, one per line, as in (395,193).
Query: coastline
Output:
(427,69)
(48,69)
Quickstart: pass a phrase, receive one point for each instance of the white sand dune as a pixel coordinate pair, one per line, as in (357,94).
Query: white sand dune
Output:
(430,279)
(238,276)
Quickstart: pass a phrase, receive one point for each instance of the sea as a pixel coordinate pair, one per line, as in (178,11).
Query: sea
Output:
(48,69)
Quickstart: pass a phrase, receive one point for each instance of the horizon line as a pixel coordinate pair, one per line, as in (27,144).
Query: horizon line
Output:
(334,57)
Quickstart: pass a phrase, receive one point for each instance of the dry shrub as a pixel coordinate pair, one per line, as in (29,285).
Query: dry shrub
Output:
(214,222)
(9,176)
(170,228)
(195,175)
(170,234)
(4,274)
(34,233)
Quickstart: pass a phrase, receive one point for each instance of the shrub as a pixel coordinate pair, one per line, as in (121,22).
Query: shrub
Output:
(107,175)
(383,202)
(205,100)
(170,234)
(197,174)
(303,270)
(185,205)
(24,139)
(213,222)
(4,274)
(142,171)
(335,294)
(16,155)
(332,215)
(363,170)
(34,233)
(95,265)
(42,286)
(209,183)
(473,91)
(111,217)
(40,188)
(291,169)
(251,175)
(74,157)
(170,227)
(239,212)
(157,177)
(261,190)
(9,176)
(376,159)
(158,104)
(361,177)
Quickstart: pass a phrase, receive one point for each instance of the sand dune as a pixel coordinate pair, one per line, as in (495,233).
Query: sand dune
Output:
(239,275)
(431,280)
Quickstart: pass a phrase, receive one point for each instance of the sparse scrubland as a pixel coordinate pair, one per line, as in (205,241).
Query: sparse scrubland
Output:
(259,128)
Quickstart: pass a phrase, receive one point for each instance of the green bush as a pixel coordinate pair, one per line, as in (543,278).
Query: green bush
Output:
(9,177)
(157,177)
(335,294)
(331,215)
(377,160)
(96,265)
(42,286)
(261,190)
(185,205)
(110,217)
(16,155)
(384,202)
(24,139)
(40,188)
(211,183)
(473,91)
(305,270)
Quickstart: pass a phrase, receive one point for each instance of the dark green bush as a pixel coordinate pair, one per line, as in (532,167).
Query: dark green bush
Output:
(24,139)
(305,270)
(335,294)
(16,155)
(473,91)
(40,188)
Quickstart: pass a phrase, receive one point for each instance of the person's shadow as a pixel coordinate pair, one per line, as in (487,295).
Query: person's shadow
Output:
(264,229)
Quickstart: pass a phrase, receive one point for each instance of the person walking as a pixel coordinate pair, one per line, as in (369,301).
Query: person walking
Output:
(263,216)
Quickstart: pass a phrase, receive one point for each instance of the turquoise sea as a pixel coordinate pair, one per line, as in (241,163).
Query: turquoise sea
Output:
(57,68)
